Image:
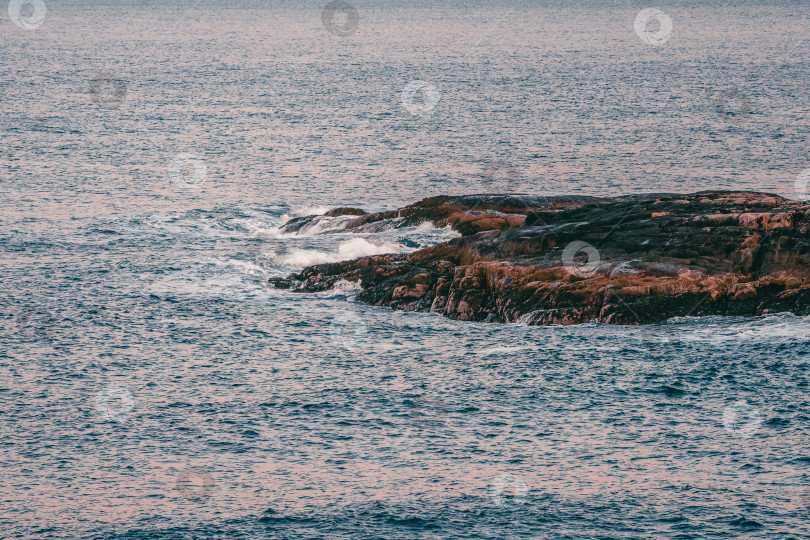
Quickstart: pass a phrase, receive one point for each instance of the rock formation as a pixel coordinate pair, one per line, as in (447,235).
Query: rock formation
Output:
(568,260)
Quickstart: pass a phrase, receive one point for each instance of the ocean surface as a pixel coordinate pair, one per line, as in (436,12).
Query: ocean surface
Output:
(152,386)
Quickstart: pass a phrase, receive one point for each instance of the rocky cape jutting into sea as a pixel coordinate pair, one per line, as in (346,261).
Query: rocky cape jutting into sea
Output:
(570,259)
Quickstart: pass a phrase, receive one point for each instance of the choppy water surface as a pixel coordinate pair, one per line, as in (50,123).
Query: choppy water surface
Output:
(154,387)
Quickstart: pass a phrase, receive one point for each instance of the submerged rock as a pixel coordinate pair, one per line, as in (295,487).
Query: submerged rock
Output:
(568,260)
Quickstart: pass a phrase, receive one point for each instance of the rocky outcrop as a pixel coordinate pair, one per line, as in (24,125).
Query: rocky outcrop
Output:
(467,214)
(568,260)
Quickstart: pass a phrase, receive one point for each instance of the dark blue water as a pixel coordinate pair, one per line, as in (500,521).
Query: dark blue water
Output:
(152,386)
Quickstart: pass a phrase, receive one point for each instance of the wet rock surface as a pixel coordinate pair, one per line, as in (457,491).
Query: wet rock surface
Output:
(568,260)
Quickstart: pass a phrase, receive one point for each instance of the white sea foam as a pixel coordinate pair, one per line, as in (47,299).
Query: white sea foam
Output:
(345,288)
(258,227)
(323,223)
(299,211)
(242,267)
(192,284)
(765,329)
(717,330)
(351,249)
(315,210)
(427,227)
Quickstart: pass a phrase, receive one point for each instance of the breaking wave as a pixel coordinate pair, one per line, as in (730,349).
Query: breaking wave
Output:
(351,249)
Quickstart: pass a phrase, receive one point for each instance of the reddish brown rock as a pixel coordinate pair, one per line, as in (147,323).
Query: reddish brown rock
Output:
(651,258)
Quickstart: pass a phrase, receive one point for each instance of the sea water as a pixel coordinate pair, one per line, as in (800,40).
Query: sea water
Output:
(153,386)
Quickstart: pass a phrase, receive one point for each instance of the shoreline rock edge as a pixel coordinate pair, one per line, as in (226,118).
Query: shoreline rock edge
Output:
(635,259)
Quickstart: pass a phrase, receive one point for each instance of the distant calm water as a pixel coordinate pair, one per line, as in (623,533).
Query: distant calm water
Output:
(153,387)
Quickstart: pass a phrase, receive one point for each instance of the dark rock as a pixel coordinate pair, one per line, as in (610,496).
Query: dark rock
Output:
(567,260)
(337,212)
(467,214)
